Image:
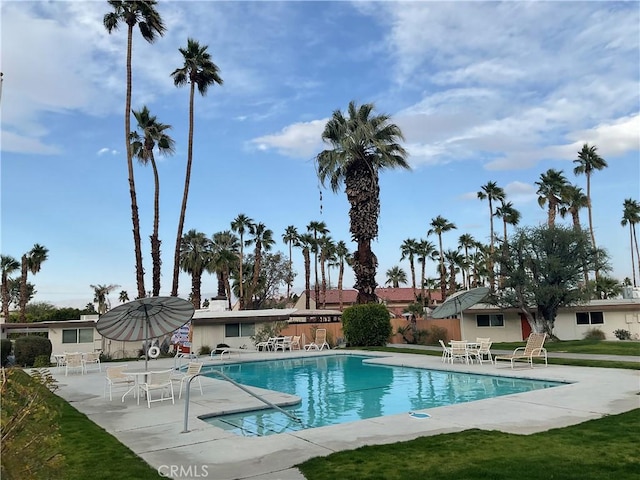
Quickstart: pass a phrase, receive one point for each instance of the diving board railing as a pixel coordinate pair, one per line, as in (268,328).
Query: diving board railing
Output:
(241,387)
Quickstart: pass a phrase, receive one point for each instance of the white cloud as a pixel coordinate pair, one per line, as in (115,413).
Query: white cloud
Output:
(106,150)
(299,140)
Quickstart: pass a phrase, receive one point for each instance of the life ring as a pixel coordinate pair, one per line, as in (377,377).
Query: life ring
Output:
(154,352)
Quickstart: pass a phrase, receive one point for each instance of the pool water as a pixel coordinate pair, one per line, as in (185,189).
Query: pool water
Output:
(343,388)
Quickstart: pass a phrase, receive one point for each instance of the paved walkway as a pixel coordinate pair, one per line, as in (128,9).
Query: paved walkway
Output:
(205,452)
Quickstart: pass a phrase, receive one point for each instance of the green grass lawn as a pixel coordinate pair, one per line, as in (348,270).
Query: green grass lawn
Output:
(582,346)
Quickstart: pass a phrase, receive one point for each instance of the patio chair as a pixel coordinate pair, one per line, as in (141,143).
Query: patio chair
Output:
(459,351)
(91,359)
(283,343)
(268,345)
(193,369)
(533,349)
(483,350)
(158,381)
(73,361)
(295,342)
(117,378)
(446,352)
(320,341)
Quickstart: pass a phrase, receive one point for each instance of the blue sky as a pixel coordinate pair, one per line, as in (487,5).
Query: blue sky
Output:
(482,91)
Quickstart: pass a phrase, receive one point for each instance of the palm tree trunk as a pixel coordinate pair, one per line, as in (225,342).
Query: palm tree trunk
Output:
(132,187)
(185,195)
(196,282)
(155,241)
(307,278)
(324,281)
(5,296)
(340,275)
(422,280)
(634,237)
(22,304)
(443,287)
(289,280)
(364,267)
(413,276)
(491,248)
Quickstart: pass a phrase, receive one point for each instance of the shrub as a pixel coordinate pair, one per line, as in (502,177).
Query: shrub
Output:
(435,333)
(366,325)
(268,330)
(5,350)
(622,334)
(594,334)
(42,361)
(204,350)
(29,347)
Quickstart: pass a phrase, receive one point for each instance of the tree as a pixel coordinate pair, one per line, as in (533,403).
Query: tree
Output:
(241,225)
(304,242)
(466,241)
(631,217)
(273,273)
(396,276)
(588,160)
(327,246)
(101,296)
(146,17)
(426,249)
(362,145)
(409,249)
(9,265)
(263,242)
(456,263)
(491,191)
(510,216)
(573,199)
(544,269)
(152,134)
(550,187)
(290,237)
(316,228)
(195,257)
(342,254)
(31,262)
(439,225)
(123,296)
(198,70)
(225,249)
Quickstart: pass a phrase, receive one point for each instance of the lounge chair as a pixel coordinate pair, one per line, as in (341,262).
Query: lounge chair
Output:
(117,378)
(158,381)
(295,342)
(446,352)
(533,349)
(192,370)
(320,341)
(91,359)
(268,345)
(283,343)
(483,351)
(459,351)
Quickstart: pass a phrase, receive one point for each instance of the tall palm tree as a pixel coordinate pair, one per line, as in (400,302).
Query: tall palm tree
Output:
(455,260)
(30,262)
(198,71)
(631,216)
(466,241)
(316,228)
(9,265)
(304,242)
(362,145)
(510,216)
(550,187)
(327,246)
(101,297)
(439,225)
(492,192)
(241,225)
(123,296)
(146,17)
(588,160)
(196,255)
(408,250)
(396,276)
(342,254)
(152,134)
(573,199)
(425,251)
(263,242)
(225,246)
(289,237)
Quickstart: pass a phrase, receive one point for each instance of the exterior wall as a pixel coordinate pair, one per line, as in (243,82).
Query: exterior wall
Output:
(305,330)
(510,332)
(566,327)
(110,347)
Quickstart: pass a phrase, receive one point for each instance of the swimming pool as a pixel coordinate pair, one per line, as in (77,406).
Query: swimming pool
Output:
(343,388)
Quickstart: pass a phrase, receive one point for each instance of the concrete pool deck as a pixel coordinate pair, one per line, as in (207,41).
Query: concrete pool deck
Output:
(206,451)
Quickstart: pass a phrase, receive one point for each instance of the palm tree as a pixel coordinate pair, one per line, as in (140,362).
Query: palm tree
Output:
(396,276)
(101,297)
(425,250)
(9,265)
(225,246)
(196,254)
(342,254)
(439,225)
(316,228)
(409,249)
(588,160)
(152,134)
(361,145)
(123,296)
(304,242)
(466,241)
(263,242)
(198,70)
(289,237)
(510,216)
(30,262)
(240,225)
(326,245)
(550,187)
(491,191)
(573,199)
(149,21)
(631,216)
(455,260)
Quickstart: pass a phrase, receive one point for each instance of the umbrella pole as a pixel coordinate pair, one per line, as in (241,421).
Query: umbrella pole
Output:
(146,340)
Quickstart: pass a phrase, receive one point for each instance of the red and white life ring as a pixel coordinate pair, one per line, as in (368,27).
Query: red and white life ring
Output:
(154,352)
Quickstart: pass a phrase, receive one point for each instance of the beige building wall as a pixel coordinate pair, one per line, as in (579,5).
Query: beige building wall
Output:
(510,332)
(566,327)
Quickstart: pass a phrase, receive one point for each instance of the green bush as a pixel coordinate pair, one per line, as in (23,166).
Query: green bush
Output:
(42,361)
(5,350)
(204,350)
(29,347)
(366,325)
(435,333)
(622,334)
(594,334)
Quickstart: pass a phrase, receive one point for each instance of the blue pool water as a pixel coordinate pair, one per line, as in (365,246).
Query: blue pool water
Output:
(344,388)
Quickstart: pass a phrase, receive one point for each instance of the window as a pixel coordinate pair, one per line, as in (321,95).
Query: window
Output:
(493,320)
(239,329)
(77,335)
(589,318)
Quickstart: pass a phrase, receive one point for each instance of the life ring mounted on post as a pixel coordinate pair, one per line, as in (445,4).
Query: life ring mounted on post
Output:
(154,352)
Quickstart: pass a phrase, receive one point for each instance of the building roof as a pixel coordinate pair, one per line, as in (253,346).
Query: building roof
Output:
(389,295)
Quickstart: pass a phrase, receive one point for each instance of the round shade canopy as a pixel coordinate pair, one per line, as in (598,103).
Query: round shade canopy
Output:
(459,301)
(145,318)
